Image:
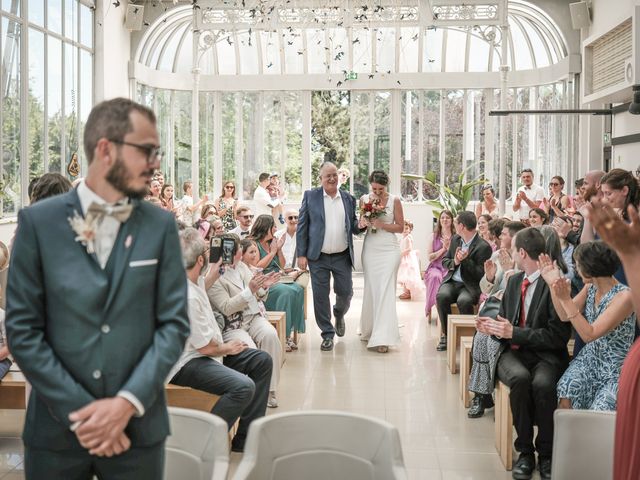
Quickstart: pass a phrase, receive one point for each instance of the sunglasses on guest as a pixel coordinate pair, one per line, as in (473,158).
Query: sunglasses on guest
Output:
(554,184)
(229,187)
(292,217)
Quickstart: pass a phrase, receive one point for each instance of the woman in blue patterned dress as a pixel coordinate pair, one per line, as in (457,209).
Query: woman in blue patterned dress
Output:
(602,314)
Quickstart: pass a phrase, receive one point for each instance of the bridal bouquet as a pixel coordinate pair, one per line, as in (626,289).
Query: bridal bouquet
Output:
(372,209)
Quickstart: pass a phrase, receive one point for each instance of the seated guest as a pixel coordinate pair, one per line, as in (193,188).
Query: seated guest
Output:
(534,354)
(483,229)
(283,297)
(244,313)
(465,264)
(486,349)
(238,374)
(49,185)
(203,224)
(244,216)
(538,217)
(602,314)
(553,248)
(435,272)
(289,234)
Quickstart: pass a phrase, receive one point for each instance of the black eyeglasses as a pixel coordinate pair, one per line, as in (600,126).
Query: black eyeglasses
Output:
(247,217)
(292,217)
(153,153)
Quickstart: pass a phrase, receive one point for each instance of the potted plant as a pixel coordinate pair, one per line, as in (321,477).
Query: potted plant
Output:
(454,197)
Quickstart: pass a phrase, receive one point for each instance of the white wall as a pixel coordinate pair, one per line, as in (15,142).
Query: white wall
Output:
(112,47)
(604,17)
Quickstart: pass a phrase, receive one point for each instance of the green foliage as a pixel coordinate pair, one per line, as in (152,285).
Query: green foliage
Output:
(455,196)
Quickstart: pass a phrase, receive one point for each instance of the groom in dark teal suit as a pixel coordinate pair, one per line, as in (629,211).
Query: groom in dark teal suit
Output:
(324,240)
(96,310)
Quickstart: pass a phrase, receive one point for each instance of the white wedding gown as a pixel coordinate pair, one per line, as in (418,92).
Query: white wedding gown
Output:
(380,261)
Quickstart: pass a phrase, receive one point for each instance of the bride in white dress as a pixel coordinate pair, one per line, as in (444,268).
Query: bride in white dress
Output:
(380,261)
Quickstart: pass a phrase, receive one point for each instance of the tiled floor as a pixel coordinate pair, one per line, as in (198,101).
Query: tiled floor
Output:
(410,387)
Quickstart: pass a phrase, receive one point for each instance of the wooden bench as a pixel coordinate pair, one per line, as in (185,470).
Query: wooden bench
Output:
(12,391)
(504,419)
(466,344)
(12,395)
(279,322)
(459,326)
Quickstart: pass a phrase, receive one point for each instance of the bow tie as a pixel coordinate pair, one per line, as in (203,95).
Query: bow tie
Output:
(117,211)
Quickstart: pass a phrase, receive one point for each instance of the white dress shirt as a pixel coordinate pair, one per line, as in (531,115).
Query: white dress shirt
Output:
(289,247)
(107,230)
(535,193)
(106,235)
(241,233)
(335,233)
(528,296)
(204,327)
(263,201)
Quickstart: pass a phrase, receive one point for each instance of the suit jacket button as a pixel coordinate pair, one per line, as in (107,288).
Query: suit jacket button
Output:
(97,374)
(105,328)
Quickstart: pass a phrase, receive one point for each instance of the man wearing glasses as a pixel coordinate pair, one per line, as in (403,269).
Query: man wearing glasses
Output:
(245,220)
(289,247)
(528,195)
(97,310)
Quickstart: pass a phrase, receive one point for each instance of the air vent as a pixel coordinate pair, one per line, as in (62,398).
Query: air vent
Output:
(609,54)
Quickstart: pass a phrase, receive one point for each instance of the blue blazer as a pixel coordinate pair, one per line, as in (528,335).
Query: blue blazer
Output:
(311,223)
(81,333)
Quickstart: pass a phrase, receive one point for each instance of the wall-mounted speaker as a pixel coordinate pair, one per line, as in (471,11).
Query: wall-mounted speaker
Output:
(134,17)
(580,15)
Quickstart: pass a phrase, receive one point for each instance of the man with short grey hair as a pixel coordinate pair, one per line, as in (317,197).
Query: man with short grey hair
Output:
(238,374)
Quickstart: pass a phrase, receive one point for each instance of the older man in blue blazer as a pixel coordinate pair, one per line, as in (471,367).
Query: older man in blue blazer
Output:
(97,310)
(324,240)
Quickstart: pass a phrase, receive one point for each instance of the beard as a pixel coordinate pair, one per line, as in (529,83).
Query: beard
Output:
(119,178)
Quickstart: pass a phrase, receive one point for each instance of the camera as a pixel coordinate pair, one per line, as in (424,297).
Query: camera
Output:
(224,247)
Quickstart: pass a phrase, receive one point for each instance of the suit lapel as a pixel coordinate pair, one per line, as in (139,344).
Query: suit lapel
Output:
(74,207)
(320,201)
(124,244)
(347,217)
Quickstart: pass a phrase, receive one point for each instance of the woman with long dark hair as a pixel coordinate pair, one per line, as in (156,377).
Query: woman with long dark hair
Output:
(283,297)
(226,205)
(435,272)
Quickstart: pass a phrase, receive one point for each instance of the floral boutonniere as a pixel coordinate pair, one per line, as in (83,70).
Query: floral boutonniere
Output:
(85,229)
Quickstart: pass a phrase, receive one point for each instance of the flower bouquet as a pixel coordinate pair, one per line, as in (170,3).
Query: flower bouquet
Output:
(372,209)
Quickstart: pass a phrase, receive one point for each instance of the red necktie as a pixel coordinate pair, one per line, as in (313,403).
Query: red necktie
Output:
(523,311)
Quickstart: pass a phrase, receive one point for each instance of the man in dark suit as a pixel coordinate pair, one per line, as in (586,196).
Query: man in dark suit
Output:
(465,262)
(535,354)
(324,240)
(97,310)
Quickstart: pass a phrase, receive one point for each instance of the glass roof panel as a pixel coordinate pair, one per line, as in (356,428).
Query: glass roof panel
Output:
(292,43)
(320,40)
(456,47)
(338,49)
(432,56)
(409,41)
(316,53)
(269,42)
(248,52)
(361,41)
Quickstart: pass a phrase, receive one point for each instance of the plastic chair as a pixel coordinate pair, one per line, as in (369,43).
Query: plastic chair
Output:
(321,445)
(198,447)
(583,444)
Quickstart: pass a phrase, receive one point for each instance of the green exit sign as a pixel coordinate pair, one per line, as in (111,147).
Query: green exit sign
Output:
(352,76)
(607,139)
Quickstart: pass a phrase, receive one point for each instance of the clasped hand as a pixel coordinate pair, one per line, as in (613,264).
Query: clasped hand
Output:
(499,328)
(102,424)
(460,255)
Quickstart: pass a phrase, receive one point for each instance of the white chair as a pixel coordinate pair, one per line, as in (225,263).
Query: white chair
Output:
(321,445)
(198,447)
(583,445)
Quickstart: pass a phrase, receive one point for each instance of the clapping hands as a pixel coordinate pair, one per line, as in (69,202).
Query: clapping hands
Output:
(505,260)
(623,237)
(490,270)
(548,269)
(460,255)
